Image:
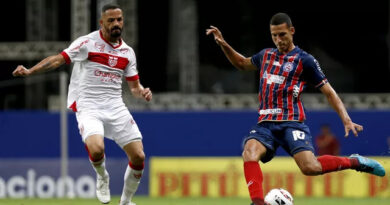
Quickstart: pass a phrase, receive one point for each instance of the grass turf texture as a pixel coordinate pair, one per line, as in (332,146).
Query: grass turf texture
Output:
(193,201)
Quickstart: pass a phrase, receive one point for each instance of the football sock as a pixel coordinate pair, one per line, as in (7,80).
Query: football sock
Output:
(99,165)
(331,163)
(254,180)
(131,181)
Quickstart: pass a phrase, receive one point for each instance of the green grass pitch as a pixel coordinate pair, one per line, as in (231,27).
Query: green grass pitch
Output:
(193,201)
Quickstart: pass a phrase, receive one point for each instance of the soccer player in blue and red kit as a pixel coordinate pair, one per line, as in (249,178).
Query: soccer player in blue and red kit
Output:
(284,73)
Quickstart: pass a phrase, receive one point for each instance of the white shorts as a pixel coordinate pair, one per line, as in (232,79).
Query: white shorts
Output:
(115,124)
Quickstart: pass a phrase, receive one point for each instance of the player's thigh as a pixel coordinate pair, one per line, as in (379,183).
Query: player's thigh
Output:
(296,138)
(259,144)
(89,124)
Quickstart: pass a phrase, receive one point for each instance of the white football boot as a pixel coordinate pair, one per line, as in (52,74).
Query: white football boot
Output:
(103,188)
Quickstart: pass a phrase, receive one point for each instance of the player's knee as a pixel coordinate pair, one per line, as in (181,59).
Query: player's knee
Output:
(96,151)
(251,153)
(138,157)
(311,169)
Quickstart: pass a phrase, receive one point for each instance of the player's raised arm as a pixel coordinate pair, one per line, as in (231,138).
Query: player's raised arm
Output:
(239,61)
(139,91)
(338,105)
(46,64)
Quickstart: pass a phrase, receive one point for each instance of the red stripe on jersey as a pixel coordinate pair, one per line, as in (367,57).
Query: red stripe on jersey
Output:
(290,96)
(66,57)
(265,56)
(300,106)
(132,78)
(108,60)
(271,98)
(280,90)
(264,87)
(117,46)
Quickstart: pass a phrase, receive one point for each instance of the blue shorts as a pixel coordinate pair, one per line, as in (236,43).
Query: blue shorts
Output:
(293,136)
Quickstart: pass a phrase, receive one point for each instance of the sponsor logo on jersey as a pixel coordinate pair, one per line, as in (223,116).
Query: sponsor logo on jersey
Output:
(275,63)
(112,61)
(100,46)
(270,111)
(113,52)
(107,74)
(273,78)
(287,67)
(124,50)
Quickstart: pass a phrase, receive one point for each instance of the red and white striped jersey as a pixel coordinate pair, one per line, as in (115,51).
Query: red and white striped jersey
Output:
(98,69)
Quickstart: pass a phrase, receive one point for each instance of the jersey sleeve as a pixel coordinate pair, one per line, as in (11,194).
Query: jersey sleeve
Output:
(312,72)
(77,51)
(257,59)
(131,72)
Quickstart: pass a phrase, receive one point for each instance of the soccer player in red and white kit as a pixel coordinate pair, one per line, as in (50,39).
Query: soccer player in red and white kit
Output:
(284,72)
(100,60)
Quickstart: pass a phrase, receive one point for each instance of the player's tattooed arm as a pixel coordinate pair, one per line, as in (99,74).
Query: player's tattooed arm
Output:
(236,59)
(46,64)
(139,91)
(335,101)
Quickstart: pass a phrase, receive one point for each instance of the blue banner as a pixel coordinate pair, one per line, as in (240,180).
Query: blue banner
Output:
(36,134)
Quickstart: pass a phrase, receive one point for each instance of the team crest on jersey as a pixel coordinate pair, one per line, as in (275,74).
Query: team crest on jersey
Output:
(112,61)
(100,47)
(287,67)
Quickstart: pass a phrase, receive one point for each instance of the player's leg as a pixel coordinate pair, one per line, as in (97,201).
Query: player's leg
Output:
(126,134)
(254,150)
(311,165)
(297,141)
(134,171)
(92,132)
(94,145)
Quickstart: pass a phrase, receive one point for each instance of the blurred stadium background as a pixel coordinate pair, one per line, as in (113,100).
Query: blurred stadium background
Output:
(202,107)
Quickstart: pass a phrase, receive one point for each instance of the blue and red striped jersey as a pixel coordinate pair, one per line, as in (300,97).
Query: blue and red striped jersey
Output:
(283,77)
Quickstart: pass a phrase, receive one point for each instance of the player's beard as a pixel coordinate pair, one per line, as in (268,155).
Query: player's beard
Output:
(116,32)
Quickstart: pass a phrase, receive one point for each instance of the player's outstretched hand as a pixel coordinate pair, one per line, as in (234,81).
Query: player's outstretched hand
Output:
(147,94)
(355,128)
(21,71)
(217,34)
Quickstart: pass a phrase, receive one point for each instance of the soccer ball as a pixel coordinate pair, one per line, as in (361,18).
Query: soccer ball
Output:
(278,197)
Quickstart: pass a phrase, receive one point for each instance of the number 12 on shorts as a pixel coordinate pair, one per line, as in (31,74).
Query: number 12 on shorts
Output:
(298,135)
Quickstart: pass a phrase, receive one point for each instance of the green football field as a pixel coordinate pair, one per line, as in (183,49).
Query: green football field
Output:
(193,201)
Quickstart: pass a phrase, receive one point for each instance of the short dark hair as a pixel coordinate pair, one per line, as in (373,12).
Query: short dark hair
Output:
(281,18)
(109,6)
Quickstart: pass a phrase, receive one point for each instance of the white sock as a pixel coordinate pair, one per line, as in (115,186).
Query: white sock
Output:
(131,181)
(100,167)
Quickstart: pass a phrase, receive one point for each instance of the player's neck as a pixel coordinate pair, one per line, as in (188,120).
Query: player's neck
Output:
(110,39)
(290,48)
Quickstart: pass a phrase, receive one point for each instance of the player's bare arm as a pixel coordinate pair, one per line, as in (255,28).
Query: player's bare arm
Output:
(139,91)
(335,101)
(239,61)
(49,63)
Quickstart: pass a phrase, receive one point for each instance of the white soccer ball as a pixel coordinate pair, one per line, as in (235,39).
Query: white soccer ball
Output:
(278,197)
